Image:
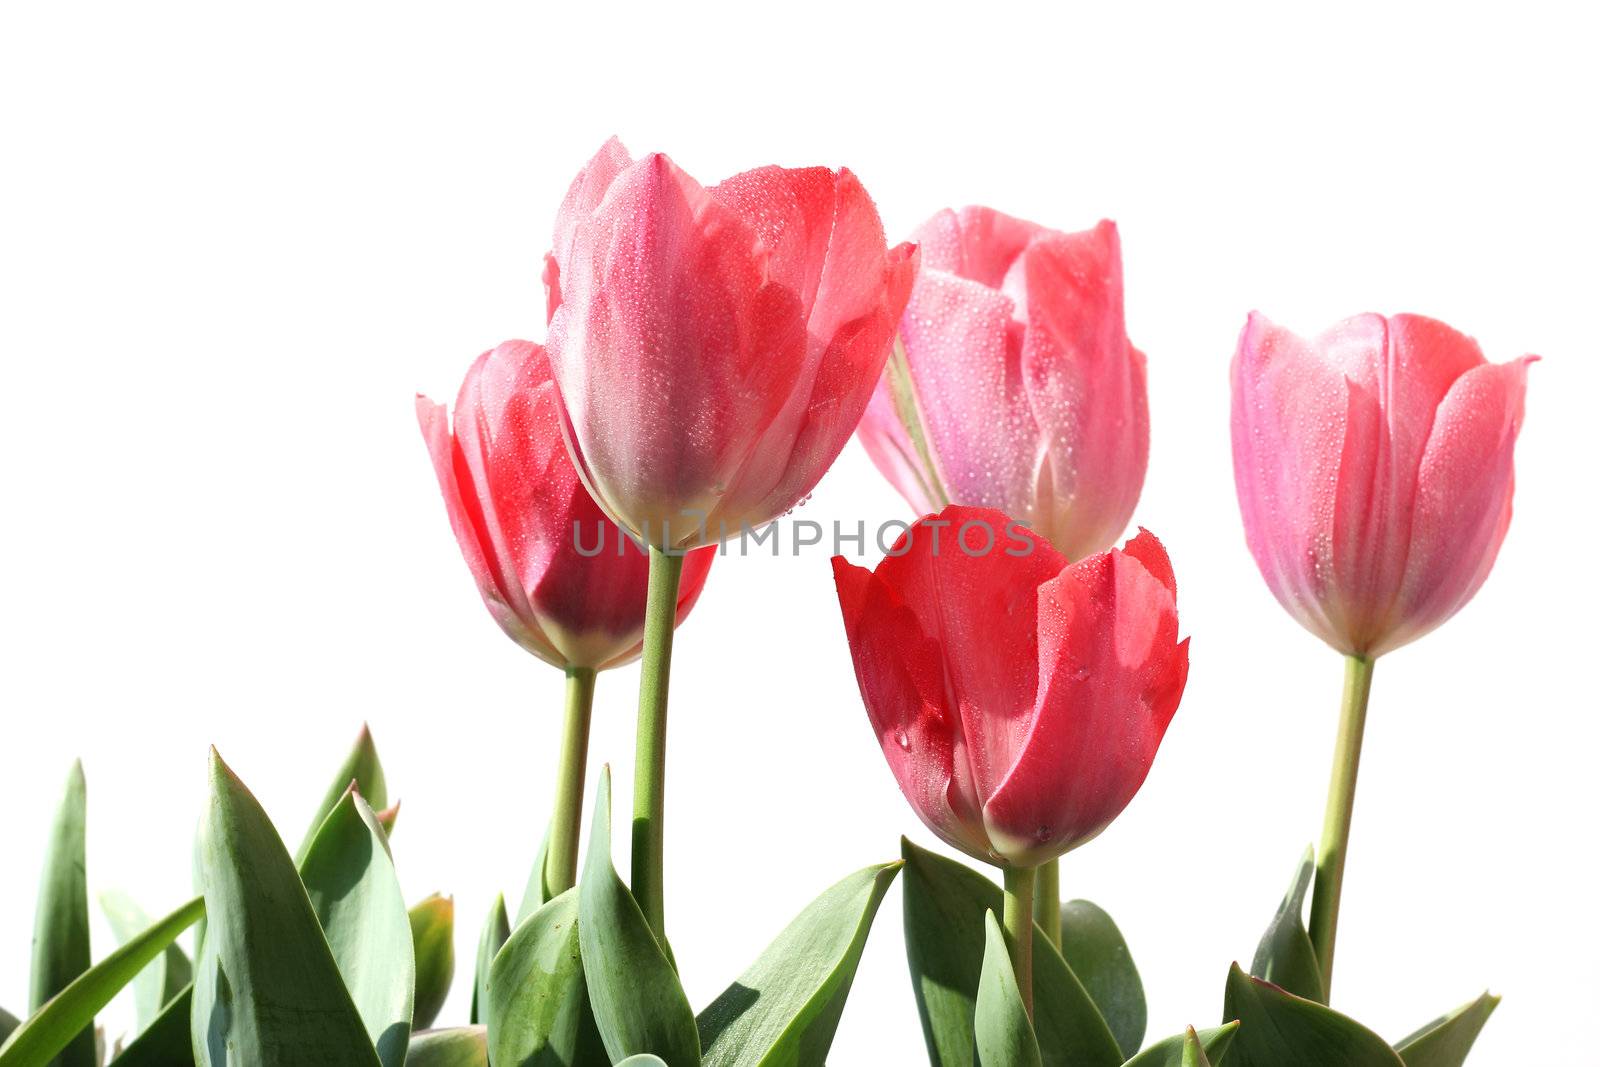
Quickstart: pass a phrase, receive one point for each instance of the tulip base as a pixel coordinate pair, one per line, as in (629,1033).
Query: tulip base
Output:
(650,745)
(1336,821)
(1018,924)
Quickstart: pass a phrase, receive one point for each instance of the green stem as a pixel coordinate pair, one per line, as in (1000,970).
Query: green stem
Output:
(561,860)
(1047,901)
(1336,822)
(650,746)
(1018,921)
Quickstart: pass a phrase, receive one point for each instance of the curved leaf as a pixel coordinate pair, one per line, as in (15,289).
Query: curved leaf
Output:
(165,978)
(1170,1053)
(537,892)
(786,1007)
(1194,1053)
(8,1023)
(360,768)
(1446,1041)
(165,1042)
(461,1046)
(1095,950)
(1285,957)
(349,879)
(944,906)
(56,1025)
(1278,1028)
(266,980)
(433,934)
(495,932)
(538,1007)
(1002,1034)
(643,1059)
(61,917)
(639,1005)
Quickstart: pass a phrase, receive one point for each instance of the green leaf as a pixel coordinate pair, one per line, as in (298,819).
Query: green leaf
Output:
(361,769)
(433,934)
(643,1059)
(1095,950)
(1278,1028)
(1194,1053)
(786,1007)
(8,1023)
(350,881)
(64,1016)
(1446,1041)
(538,1008)
(1002,1034)
(1170,1053)
(1285,956)
(165,1042)
(537,892)
(266,984)
(495,932)
(639,1005)
(61,917)
(461,1046)
(164,979)
(944,906)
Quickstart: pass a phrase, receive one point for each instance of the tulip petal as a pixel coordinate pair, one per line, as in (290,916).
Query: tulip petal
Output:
(1111,672)
(975,243)
(1463,498)
(899,669)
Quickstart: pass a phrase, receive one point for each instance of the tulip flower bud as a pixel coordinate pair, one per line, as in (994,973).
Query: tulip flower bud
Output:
(715,348)
(1018,697)
(1018,388)
(1374,470)
(558,576)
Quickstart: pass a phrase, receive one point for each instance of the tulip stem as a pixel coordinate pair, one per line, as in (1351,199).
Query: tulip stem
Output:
(1019,929)
(561,860)
(1047,901)
(1336,822)
(650,746)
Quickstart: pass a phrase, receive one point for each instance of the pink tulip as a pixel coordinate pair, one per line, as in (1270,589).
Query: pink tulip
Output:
(715,348)
(560,579)
(1018,697)
(1374,472)
(1030,397)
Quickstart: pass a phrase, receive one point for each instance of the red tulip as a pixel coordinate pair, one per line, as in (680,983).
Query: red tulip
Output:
(1374,472)
(560,579)
(1018,697)
(1030,396)
(715,348)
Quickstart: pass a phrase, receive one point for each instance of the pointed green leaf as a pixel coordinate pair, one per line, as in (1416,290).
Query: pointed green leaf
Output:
(1285,956)
(639,1005)
(360,767)
(461,1046)
(165,1042)
(495,932)
(165,978)
(1170,1053)
(57,1023)
(537,892)
(538,1007)
(1446,1041)
(1278,1028)
(266,981)
(1194,1053)
(1002,1034)
(61,916)
(1095,950)
(433,934)
(944,905)
(786,1007)
(349,879)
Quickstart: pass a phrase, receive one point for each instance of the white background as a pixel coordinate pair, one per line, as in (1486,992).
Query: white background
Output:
(234,242)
